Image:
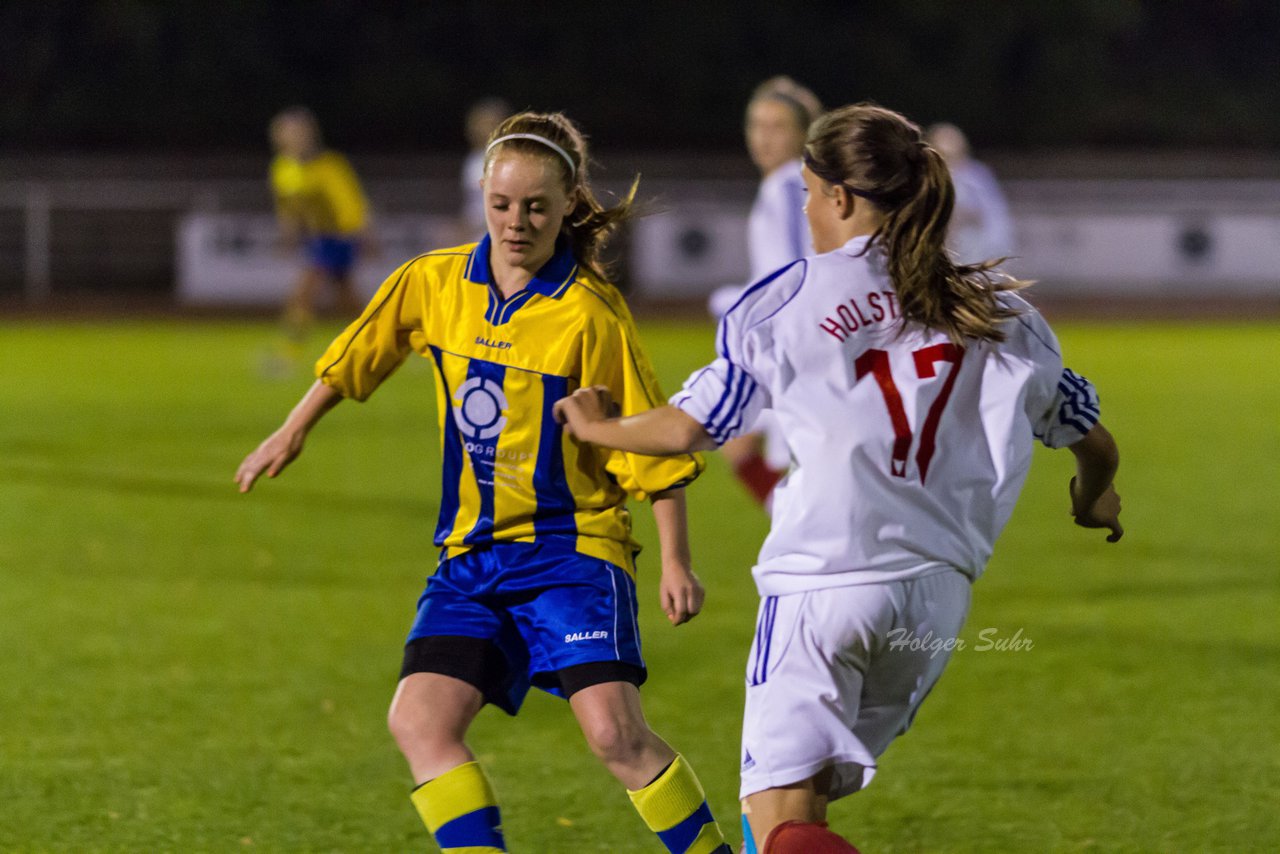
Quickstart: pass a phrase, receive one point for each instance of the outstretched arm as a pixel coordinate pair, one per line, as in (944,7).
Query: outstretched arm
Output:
(283,446)
(661,432)
(1094,502)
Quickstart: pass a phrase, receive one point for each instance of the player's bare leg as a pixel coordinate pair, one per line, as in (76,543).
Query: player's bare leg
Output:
(662,786)
(613,723)
(429,717)
(793,818)
(348,301)
(795,802)
(299,312)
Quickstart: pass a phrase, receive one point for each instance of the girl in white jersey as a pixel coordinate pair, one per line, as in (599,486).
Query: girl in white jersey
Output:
(910,390)
(778,118)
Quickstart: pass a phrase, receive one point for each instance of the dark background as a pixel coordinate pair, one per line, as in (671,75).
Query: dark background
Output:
(134,76)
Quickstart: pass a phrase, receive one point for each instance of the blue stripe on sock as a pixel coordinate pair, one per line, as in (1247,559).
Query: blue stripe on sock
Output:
(679,838)
(473,830)
(748,841)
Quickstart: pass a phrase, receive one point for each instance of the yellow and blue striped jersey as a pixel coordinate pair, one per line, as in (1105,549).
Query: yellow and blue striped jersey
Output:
(510,472)
(322,194)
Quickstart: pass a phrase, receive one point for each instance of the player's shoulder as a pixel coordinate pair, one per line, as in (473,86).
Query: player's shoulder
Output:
(595,297)
(1018,302)
(768,295)
(462,249)
(331,159)
(781,185)
(284,168)
(1027,329)
(1024,314)
(787,173)
(445,262)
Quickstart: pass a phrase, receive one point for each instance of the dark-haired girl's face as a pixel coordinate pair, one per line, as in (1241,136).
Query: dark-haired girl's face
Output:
(525,204)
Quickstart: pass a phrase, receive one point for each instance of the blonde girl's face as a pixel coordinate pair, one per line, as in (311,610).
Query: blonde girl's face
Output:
(774,136)
(525,204)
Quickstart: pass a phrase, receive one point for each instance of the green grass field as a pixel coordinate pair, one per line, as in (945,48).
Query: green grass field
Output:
(186,669)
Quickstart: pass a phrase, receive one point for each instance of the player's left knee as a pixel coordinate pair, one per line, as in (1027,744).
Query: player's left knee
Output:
(615,740)
(798,837)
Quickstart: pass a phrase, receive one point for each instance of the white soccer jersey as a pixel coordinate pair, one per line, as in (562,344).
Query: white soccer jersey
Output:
(908,452)
(981,229)
(472,194)
(777,232)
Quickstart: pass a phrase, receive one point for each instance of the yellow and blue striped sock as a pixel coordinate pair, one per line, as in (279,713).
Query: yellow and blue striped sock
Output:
(461,811)
(675,807)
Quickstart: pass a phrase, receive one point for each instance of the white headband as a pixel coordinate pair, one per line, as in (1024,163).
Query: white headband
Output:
(573,170)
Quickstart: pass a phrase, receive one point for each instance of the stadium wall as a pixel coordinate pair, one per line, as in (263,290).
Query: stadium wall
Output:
(1117,227)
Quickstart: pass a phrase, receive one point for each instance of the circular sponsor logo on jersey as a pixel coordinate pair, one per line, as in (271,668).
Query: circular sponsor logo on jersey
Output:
(478,407)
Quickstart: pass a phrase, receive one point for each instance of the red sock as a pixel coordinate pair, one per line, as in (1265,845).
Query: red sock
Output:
(798,837)
(757,477)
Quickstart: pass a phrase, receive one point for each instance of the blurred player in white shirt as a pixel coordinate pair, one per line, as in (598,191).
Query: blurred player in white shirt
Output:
(778,117)
(482,117)
(980,224)
(910,390)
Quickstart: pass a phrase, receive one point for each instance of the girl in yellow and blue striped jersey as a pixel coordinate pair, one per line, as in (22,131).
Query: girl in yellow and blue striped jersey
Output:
(320,203)
(536,579)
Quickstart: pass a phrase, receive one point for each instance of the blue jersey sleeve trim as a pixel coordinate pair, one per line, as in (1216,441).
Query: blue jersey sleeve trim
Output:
(751,289)
(1079,408)
(746,387)
(729,380)
(736,426)
(787,301)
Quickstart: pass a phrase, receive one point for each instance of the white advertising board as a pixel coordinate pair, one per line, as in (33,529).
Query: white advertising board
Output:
(226,258)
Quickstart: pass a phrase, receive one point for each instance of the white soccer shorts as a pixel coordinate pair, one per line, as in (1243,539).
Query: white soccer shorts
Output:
(834,676)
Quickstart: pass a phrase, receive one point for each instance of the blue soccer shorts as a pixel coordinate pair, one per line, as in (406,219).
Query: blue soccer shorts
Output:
(510,615)
(333,255)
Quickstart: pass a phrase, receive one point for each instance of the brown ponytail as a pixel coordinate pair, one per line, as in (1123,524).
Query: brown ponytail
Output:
(880,156)
(590,224)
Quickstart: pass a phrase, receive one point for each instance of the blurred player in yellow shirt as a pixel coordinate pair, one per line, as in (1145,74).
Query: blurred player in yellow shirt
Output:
(319,202)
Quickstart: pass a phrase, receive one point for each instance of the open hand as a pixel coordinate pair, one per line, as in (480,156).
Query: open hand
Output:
(276,451)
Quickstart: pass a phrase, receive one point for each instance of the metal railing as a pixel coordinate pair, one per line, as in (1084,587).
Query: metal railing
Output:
(99,234)
(38,236)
